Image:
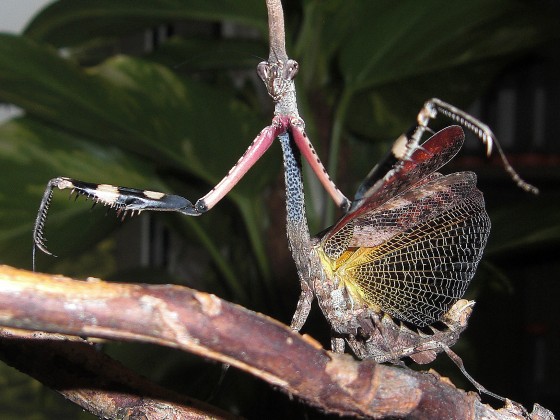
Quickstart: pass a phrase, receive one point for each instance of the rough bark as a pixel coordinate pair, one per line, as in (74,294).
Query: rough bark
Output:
(205,325)
(76,369)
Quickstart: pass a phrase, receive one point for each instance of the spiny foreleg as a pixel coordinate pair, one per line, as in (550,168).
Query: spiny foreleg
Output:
(122,199)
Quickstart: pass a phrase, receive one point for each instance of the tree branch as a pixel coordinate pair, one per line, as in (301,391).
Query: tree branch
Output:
(203,324)
(93,380)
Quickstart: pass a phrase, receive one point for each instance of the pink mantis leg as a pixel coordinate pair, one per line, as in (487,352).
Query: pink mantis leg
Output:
(257,148)
(306,148)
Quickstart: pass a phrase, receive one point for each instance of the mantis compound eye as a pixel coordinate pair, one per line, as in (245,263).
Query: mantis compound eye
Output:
(262,70)
(291,69)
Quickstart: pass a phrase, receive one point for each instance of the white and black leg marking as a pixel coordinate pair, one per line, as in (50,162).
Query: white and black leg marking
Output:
(405,146)
(122,199)
(400,151)
(482,131)
(125,200)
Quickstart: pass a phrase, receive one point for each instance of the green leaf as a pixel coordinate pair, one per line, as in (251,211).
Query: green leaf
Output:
(138,106)
(69,23)
(395,41)
(384,112)
(200,55)
(392,56)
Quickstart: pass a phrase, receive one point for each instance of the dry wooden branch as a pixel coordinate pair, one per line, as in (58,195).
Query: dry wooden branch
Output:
(203,324)
(73,367)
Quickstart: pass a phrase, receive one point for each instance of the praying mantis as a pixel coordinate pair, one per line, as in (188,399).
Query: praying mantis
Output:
(401,205)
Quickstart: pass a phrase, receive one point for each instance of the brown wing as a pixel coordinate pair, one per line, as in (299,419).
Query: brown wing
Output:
(432,155)
(415,255)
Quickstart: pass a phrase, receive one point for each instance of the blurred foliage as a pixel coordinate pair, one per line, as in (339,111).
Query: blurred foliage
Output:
(177,118)
(21,393)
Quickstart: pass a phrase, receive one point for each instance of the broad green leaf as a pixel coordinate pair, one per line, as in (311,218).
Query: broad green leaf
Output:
(199,55)
(69,23)
(383,113)
(395,41)
(138,106)
(392,56)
